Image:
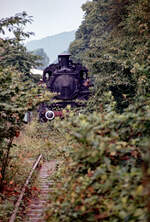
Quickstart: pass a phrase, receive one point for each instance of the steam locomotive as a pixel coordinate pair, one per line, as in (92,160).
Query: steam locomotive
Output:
(69,81)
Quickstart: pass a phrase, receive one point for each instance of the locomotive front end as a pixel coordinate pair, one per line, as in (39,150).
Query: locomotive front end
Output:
(69,80)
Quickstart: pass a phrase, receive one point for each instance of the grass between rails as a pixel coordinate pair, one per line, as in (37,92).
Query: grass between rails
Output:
(33,140)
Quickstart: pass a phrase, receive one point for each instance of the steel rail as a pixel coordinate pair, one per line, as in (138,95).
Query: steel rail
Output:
(13,216)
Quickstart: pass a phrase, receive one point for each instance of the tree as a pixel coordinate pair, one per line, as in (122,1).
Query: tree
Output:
(17,92)
(44,60)
(15,54)
(113,42)
(12,50)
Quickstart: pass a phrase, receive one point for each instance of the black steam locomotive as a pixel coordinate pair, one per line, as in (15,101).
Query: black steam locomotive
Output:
(71,83)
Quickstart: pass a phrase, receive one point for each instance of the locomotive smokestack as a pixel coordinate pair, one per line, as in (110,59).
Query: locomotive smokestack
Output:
(63,60)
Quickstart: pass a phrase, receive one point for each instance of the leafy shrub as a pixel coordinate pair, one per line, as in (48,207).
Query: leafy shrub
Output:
(17,92)
(102,177)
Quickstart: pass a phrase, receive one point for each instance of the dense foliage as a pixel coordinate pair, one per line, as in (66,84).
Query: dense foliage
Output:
(102,178)
(113,42)
(18,93)
(12,50)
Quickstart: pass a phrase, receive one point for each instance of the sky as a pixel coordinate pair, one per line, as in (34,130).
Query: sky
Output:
(50,17)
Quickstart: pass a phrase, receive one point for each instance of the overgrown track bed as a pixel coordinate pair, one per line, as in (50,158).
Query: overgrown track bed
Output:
(35,209)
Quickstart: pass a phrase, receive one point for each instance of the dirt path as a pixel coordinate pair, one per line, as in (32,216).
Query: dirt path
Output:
(36,208)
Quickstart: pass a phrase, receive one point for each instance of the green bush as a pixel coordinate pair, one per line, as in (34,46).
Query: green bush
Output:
(18,93)
(102,176)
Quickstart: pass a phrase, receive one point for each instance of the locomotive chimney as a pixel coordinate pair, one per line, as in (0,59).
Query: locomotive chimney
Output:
(63,60)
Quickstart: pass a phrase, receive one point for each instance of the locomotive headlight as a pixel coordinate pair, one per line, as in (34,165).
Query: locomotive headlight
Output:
(50,115)
(47,76)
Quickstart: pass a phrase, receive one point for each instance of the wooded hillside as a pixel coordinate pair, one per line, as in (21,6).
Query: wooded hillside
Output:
(113,41)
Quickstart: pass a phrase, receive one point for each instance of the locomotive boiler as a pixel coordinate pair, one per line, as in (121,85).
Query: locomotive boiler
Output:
(69,81)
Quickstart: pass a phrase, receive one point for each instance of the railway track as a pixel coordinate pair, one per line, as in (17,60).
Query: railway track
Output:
(36,208)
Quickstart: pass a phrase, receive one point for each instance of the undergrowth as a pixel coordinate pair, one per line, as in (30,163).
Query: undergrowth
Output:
(103,176)
(102,165)
(34,139)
